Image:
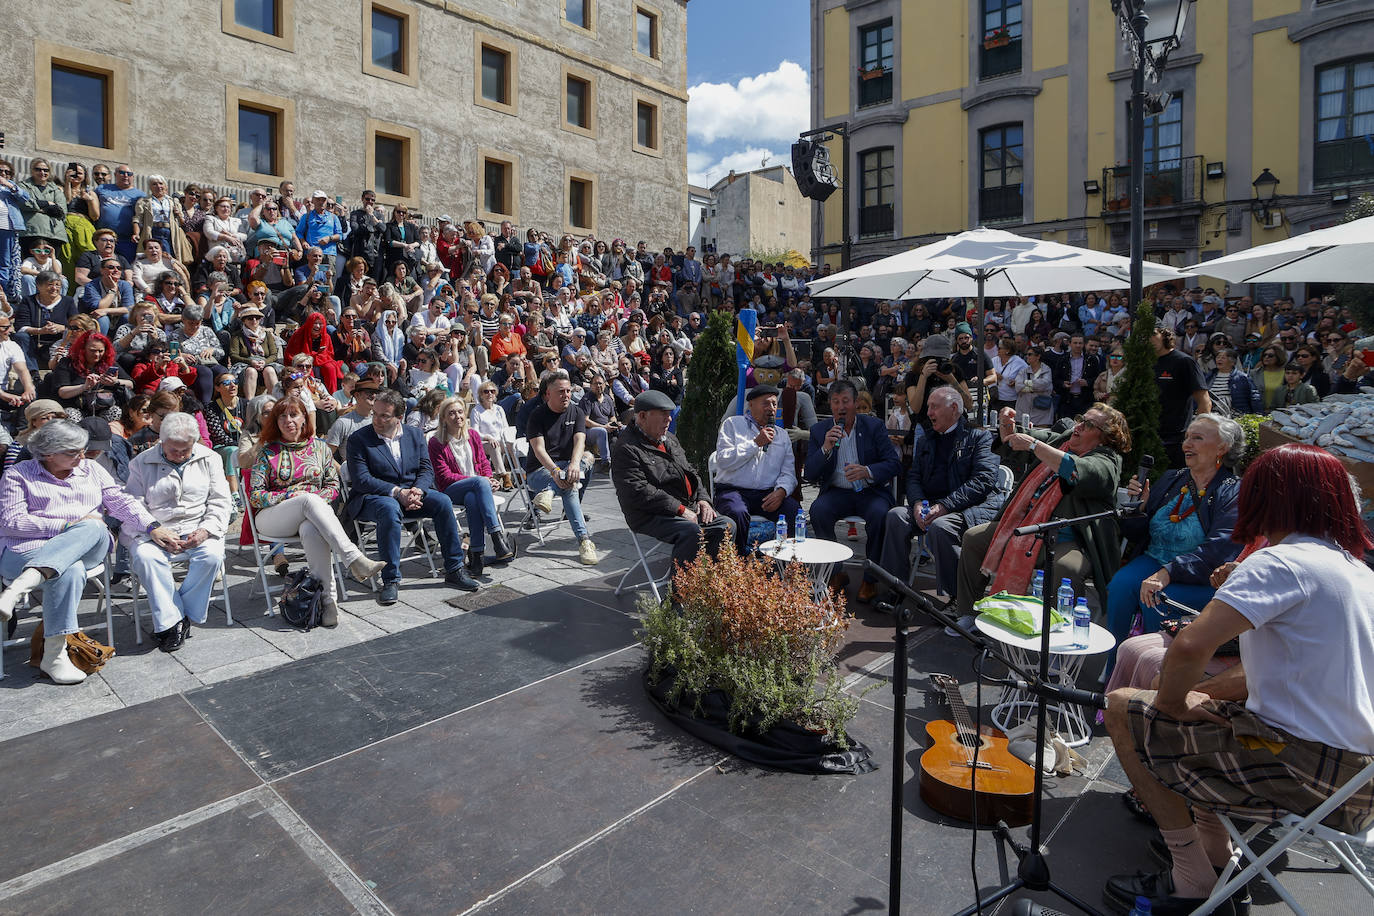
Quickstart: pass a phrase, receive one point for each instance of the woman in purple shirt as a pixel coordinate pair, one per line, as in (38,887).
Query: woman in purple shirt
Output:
(52,532)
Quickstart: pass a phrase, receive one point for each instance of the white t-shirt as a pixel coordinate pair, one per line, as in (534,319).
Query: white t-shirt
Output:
(1310,659)
(9,355)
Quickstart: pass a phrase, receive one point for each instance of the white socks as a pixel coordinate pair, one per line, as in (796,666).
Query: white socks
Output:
(24,583)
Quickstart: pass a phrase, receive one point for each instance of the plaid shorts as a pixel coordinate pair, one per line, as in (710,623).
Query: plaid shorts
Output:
(1247,767)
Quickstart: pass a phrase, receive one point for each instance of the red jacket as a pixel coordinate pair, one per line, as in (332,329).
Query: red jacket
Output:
(147,377)
(446,470)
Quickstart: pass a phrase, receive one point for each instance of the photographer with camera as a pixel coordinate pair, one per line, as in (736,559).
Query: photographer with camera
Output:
(933,368)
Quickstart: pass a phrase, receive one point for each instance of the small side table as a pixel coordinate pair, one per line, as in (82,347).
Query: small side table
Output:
(1017,706)
(819,556)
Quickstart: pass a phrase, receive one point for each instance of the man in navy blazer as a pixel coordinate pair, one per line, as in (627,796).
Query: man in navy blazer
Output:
(854,462)
(390,478)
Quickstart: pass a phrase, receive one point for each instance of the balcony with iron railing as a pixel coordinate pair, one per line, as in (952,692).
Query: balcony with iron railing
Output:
(1003,204)
(1344,160)
(875,85)
(1177,182)
(999,59)
(875,220)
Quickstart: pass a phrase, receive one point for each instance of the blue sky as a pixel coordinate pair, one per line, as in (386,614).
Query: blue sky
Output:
(748,64)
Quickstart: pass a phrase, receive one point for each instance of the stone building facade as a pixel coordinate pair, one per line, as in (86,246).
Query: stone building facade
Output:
(569,115)
(759,212)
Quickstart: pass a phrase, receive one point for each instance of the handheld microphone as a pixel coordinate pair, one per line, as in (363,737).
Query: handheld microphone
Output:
(1025,423)
(1146,463)
(1069,695)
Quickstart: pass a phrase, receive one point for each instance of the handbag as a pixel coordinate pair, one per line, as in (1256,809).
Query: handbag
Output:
(301,601)
(85,653)
(1042,402)
(543,265)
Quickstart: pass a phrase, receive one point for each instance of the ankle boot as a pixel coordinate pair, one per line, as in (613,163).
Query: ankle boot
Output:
(329,612)
(56,664)
(23,583)
(474,563)
(501,550)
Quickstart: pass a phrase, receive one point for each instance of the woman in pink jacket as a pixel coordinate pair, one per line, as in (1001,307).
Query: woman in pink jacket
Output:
(462,472)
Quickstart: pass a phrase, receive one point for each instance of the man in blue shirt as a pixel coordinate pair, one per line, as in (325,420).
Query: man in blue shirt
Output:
(117,210)
(319,227)
(108,298)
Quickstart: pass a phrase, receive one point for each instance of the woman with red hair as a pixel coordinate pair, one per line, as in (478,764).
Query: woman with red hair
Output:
(87,380)
(1294,721)
(312,339)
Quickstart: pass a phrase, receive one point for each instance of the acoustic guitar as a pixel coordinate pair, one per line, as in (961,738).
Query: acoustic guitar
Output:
(1005,784)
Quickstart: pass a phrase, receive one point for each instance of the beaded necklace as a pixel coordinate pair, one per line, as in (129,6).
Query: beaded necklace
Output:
(1174,516)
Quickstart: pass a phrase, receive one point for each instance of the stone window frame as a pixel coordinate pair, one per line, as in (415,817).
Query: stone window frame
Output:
(286,11)
(656,32)
(410,31)
(410,164)
(590,28)
(512,163)
(589,77)
(482,40)
(285,110)
(657,149)
(116,72)
(569,176)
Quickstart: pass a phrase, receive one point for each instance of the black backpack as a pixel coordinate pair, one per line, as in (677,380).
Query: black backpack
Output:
(302,600)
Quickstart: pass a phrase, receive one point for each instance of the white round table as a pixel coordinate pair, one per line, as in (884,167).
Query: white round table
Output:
(1017,706)
(819,556)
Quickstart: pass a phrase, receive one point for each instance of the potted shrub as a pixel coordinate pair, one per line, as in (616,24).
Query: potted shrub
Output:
(743,656)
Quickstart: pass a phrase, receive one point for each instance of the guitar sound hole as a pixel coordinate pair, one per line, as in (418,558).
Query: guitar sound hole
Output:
(970,740)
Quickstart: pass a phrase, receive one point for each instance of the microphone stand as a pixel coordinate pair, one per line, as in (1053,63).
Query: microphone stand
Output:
(1033,870)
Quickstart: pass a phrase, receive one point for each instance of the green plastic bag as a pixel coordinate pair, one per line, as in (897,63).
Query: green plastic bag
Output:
(1018,613)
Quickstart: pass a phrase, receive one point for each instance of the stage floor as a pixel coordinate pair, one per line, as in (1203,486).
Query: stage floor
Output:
(505,759)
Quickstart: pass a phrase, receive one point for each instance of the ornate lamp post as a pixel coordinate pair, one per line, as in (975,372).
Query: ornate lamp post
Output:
(1151,29)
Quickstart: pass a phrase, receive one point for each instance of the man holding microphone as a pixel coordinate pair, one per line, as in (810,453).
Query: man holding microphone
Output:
(754,467)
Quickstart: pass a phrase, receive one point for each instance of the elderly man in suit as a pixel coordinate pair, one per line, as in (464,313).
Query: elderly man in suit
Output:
(390,479)
(854,462)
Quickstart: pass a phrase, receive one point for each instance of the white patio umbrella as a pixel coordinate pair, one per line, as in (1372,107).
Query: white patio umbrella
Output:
(988,262)
(1336,254)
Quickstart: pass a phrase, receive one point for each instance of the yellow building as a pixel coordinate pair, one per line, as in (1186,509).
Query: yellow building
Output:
(1012,113)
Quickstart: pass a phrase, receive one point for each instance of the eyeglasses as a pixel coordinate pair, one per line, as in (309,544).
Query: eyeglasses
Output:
(1335,339)
(73,453)
(1116,356)
(251,318)
(123,172)
(1084,421)
(41,169)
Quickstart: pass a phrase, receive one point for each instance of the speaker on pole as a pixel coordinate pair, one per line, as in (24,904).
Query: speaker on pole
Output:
(812,169)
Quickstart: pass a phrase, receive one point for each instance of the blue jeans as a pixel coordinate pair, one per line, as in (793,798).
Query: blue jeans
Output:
(474,495)
(386,513)
(599,440)
(10,258)
(81,547)
(1123,600)
(541,479)
(153,567)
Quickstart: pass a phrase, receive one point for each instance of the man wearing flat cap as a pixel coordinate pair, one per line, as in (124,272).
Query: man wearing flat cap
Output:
(659,493)
(755,470)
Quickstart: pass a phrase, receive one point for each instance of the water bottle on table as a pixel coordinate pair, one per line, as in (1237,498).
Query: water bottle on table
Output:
(1038,584)
(1064,604)
(925,509)
(801,526)
(780,532)
(1082,620)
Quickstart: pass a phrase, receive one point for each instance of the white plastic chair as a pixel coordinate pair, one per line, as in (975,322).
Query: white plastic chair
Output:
(417,534)
(260,556)
(179,562)
(644,557)
(1295,828)
(101,577)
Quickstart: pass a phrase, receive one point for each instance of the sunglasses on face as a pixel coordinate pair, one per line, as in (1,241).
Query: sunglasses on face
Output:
(123,172)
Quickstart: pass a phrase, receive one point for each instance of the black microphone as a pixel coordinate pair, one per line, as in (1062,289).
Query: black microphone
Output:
(1146,463)
(1069,694)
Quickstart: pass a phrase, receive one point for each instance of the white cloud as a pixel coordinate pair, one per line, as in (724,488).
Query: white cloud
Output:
(771,106)
(705,170)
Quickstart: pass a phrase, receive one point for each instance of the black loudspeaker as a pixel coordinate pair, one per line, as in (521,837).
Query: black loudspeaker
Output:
(812,169)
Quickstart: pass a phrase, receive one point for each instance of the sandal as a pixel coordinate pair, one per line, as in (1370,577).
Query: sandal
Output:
(1137,807)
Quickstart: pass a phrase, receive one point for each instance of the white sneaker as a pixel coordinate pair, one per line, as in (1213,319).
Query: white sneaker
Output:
(586,552)
(543,501)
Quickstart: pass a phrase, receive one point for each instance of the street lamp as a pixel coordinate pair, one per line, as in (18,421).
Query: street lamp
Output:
(1151,29)
(1265,186)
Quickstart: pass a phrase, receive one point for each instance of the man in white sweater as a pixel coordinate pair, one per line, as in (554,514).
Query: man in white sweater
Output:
(755,471)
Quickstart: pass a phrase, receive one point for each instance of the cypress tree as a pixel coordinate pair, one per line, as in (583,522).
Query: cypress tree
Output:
(1137,394)
(712,379)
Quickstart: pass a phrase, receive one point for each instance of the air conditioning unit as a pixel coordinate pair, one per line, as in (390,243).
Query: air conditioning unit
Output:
(1275,220)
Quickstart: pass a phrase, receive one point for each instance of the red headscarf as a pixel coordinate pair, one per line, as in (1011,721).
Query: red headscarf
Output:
(78,353)
(302,341)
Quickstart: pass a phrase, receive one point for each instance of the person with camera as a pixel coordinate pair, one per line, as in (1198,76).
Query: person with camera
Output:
(934,368)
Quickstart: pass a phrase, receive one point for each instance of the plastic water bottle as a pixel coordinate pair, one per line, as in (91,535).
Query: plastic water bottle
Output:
(1142,907)
(1081,621)
(1038,584)
(1065,603)
(925,509)
(801,526)
(781,530)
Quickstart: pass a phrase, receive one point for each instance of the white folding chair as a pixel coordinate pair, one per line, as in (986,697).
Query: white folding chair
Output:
(101,577)
(644,557)
(259,555)
(530,519)
(415,527)
(1295,828)
(179,562)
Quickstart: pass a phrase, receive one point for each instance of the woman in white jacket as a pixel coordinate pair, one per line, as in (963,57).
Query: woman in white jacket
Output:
(182,483)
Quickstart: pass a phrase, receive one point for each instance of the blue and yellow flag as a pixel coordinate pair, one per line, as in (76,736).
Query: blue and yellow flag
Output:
(745,324)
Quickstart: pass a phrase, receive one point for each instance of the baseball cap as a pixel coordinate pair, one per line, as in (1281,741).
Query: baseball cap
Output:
(318,193)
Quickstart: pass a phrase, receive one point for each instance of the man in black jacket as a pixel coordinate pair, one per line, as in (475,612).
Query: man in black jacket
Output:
(659,493)
(365,227)
(510,249)
(953,469)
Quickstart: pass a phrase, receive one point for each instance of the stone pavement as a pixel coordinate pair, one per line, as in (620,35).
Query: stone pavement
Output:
(489,753)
